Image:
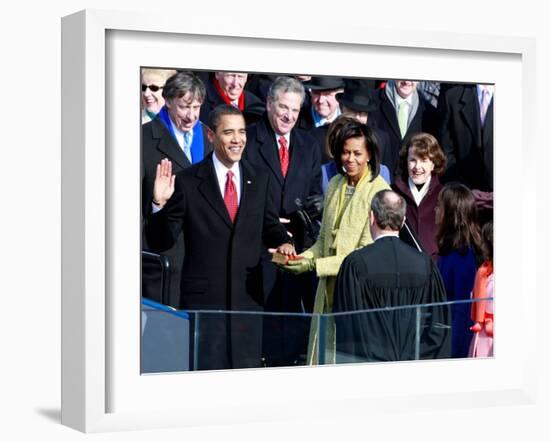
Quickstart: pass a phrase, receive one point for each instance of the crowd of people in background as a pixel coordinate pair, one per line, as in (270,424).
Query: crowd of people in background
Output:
(238,166)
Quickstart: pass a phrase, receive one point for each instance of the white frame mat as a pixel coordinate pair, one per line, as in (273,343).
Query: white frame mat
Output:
(102,389)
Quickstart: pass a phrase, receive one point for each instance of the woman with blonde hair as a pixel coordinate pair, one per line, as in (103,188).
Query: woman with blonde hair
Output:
(152,83)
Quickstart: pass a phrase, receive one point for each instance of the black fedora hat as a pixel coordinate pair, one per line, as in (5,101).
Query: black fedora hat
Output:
(356,97)
(324,83)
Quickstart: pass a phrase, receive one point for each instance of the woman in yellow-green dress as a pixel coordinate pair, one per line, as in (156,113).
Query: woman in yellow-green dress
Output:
(345,224)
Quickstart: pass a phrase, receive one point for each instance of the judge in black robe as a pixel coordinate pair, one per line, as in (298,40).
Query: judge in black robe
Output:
(390,278)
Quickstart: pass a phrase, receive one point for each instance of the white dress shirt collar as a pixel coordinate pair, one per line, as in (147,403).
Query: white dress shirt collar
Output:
(399,99)
(384,235)
(221,175)
(286,137)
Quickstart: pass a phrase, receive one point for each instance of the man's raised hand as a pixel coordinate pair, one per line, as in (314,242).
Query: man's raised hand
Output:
(164,183)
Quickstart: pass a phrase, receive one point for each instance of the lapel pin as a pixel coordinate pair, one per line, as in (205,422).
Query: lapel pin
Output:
(248,182)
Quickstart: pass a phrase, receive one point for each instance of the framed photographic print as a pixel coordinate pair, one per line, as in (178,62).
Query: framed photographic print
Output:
(103,386)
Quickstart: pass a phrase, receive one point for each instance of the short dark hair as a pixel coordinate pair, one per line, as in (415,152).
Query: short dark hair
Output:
(344,128)
(218,112)
(388,209)
(425,146)
(181,83)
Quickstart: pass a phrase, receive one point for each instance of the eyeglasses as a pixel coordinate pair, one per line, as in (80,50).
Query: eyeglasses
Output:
(152,87)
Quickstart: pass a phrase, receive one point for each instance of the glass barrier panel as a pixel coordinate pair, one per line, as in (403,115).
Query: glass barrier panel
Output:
(219,340)
(165,338)
(404,333)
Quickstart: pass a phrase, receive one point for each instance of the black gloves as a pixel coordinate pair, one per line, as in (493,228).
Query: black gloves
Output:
(313,205)
(309,212)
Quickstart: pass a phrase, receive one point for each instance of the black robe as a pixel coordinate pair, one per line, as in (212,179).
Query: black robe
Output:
(386,276)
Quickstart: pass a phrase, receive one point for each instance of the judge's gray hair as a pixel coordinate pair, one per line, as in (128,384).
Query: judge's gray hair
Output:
(388,209)
(282,85)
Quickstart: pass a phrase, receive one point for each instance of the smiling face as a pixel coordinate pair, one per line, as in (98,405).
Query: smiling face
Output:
(404,88)
(152,101)
(232,83)
(355,158)
(419,169)
(184,111)
(283,112)
(229,139)
(325,102)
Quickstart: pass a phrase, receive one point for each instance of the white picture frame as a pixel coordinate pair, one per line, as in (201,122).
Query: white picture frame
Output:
(101,389)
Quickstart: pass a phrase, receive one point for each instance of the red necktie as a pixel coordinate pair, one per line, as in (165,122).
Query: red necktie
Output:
(230,197)
(283,155)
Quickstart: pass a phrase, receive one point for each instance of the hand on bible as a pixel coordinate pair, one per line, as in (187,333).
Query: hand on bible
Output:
(163,188)
(287,249)
(301,265)
(282,254)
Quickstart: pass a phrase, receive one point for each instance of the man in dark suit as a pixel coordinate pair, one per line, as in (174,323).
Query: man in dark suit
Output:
(229,88)
(291,157)
(393,277)
(300,176)
(401,113)
(224,207)
(467,135)
(175,133)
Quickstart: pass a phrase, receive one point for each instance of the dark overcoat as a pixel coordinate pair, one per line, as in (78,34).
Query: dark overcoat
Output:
(385,118)
(285,292)
(221,268)
(304,172)
(467,144)
(157,143)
